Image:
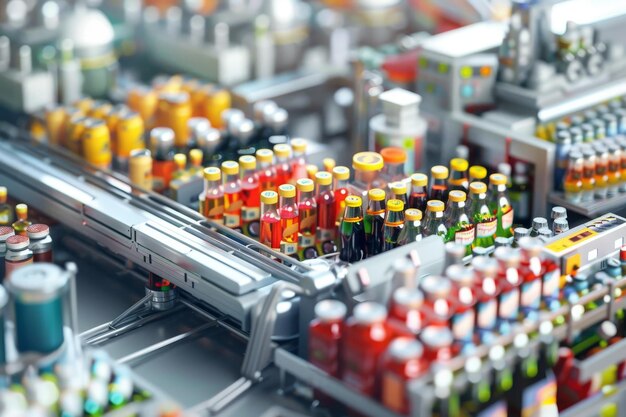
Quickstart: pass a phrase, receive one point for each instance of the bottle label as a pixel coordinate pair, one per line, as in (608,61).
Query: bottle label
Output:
(463,326)
(487,314)
(288,248)
(507,219)
(539,399)
(306,241)
(464,237)
(323,235)
(531,294)
(393,393)
(232,220)
(249,214)
(551,284)
(486,229)
(509,305)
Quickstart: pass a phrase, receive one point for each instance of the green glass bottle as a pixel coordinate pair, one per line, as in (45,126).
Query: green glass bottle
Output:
(459,226)
(352,231)
(500,205)
(394,223)
(484,220)
(374,221)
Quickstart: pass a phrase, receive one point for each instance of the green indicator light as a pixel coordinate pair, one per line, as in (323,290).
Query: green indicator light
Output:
(466,72)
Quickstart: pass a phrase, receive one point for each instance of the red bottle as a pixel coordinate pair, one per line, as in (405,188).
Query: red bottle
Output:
(325,333)
(283,164)
(405,316)
(487,291)
(404,361)
(366,338)
(267,171)
(437,308)
(271,233)
(438,344)
(463,300)
(530,272)
(508,281)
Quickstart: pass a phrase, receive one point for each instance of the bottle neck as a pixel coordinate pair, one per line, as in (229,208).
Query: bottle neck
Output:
(394,218)
(231,178)
(321,189)
(353,214)
(306,196)
(269,208)
(287,202)
(434,215)
(339,184)
(413,224)
(376,207)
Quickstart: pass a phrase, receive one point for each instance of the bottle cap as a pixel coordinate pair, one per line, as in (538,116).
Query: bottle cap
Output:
(498,179)
(299,145)
(329,164)
(478,187)
(3,192)
(545,232)
(539,223)
(435,205)
(180,159)
(5,232)
(376,194)
(520,232)
(247,162)
(17,242)
(287,190)
(408,297)
(305,185)
(485,265)
(460,275)
(395,205)
(196,156)
(439,172)
(330,310)
(419,180)
(230,167)
(37,231)
(353,201)
(413,215)
(369,313)
(435,287)
(393,155)
(341,173)
(21,209)
(367,161)
(478,172)
(265,156)
(398,187)
(405,348)
(458,164)
(323,178)
(558,212)
(282,150)
(212,174)
(457,196)
(269,197)
(311,170)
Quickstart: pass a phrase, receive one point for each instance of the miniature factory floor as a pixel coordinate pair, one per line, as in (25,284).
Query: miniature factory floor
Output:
(190,371)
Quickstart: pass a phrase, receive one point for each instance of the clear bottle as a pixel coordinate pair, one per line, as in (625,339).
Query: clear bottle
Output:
(251,196)
(484,220)
(438,183)
(289,219)
(271,233)
(367,167)
(374,221)
(282,164)
(458,175)
(434,221)
(267,171)
(326,227)
(212,200)
(6,212)
(341,177)
(352,231)
(394,159)
(412,230)
(419,192)
(22,222)
(394,223)
(589,174)
(307,211)
(232,194)
(500,205)
(602,172)
(298,160)
(460,227)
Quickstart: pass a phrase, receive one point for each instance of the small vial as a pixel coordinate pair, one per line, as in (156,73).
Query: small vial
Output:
(558,212)
(271,233)
(438,183)
(538,223)
(212,201)
(307,212)
(419,192)
(22,222)
(267,171)
(18,254)
(233,201)
(298,160)
(40,242)
(545,233)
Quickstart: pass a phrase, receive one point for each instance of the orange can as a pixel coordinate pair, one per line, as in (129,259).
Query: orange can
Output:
(71,115)
(130,131)
(96,143)
(174,111)
(112,119)
(55,122)
(214,103)
(144,101)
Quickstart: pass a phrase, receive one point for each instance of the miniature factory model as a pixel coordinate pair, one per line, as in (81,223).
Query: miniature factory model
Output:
(328,208)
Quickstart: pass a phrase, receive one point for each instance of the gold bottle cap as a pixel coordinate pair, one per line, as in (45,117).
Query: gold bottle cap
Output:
(212,174)
(478,187)
(459,164)
(196,156)
(439,172)
(287,190)
(376,194)
(305,185)
(457,196)
(323,178)
(282,150)
(395,205)
(367,161)
(413,215)
(398,187)
(298,145)
(230,167)
(353,201)
(247,162)
(435,205)
(498,179)
(478,172)
(21,209)
(419,180)
(265,156)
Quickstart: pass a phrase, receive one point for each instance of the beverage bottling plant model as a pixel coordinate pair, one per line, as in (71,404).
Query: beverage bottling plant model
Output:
(322,208)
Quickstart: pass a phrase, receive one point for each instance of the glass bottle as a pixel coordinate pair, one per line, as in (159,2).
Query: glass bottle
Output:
(438,183)
(162,149)
(394,159)
(282,164)
(614,172)
(434,221)
(394,223)
(212,200)
(271,233)
(500,205)
(22,222)
(267,171)
(412,230)
(403,362)
(307,211)
(251,196)
(573,184)
(289,219)
(458,175)
(463,299)
(509,282)
(325,334)
(399,192)
(419,192)
(298,160)
(602,171)
(589,174)
(196,156)
(352,231)
(484,220)
(326,228)
(40,242)
(18,254)
(405,311)
(232,194)
(367,167)
(460,227)
(538,224)
(487,292)
(341,176)
(374,221)
(6,212)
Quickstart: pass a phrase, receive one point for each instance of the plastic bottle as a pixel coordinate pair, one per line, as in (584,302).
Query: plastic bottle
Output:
(460,228)
(412,230)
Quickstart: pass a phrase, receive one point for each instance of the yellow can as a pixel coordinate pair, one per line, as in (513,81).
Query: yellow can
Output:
(144,101)
(100,110)
(84,104)
(75,132)
(174,111)
(173,84)
(71,115)
(37,129)
(55,123)
(140,168)
(96,143)
(215,102)
(129,133)
(112,119)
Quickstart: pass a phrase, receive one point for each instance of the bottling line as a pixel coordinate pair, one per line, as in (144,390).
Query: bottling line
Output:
(375,208)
